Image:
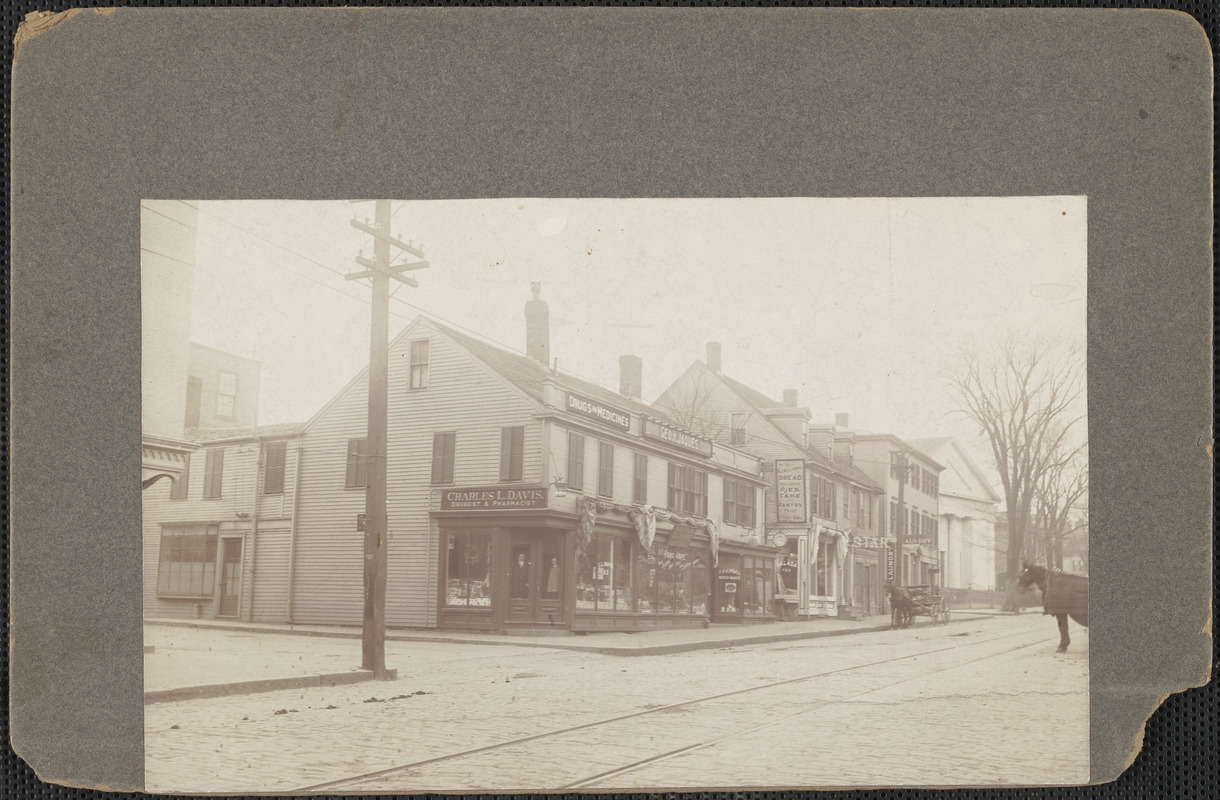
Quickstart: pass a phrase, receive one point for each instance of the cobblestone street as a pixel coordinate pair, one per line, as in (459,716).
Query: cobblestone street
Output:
(983,700)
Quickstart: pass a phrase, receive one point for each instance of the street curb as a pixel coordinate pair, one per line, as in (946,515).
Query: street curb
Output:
(268,685)
(551,644)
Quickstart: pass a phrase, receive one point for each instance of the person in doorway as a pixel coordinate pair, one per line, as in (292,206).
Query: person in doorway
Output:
(552,579)
(521,577)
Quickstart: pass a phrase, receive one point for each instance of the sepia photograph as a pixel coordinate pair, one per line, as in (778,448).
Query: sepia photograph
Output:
(614,494)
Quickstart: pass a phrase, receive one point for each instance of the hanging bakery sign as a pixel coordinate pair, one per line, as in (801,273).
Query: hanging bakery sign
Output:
(790,490)
(660,431)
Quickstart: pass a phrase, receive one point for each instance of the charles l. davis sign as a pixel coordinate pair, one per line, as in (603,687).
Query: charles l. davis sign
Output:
(479,498)
(790,490)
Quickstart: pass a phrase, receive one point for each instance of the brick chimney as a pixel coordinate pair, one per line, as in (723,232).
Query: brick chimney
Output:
(537,326)
(713,356)
(630,376)
(790,398)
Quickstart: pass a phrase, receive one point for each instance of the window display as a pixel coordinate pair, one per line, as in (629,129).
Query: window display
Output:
(468,569)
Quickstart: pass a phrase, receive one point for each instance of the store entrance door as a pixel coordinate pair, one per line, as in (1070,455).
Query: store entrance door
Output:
(536,579)
(230,578)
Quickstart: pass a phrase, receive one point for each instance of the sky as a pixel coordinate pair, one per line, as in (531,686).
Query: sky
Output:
(857,303)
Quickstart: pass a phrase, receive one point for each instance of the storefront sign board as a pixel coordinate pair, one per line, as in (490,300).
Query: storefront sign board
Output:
(586,407)
(790,490)
(494,497)
(676,437)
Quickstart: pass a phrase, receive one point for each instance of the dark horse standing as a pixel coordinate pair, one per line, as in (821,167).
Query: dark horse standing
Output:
(1063,596)
(902,608)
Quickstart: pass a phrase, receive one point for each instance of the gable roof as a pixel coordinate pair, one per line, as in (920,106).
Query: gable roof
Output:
(760,402)
(962,475)
(528,374)
(751,396)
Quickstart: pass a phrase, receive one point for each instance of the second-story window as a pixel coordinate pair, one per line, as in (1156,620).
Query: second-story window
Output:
(639,483)
(274,456)
(213,473)
(605,469)
(687,489)
(443,447)
(738,503)
(512,453)
(576,462)
(357,476)
(226,393)
(823,492)
(419,364)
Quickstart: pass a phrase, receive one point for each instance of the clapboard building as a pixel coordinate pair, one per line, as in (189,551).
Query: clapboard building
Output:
(218,539)
(522,498)
(519,498)
(820,511)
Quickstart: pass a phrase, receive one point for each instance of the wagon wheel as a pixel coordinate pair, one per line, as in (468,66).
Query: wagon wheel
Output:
(944,614)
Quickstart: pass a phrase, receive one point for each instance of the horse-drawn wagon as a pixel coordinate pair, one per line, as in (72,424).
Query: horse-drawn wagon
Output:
(919,600)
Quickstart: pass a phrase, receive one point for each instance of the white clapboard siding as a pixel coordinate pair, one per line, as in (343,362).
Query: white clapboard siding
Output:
(237,499)
(462,396)
(268,580)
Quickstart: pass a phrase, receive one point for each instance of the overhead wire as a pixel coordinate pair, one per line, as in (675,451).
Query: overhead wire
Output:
(367,301)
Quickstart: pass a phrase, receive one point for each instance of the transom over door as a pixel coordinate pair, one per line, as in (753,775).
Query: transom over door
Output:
(536,578)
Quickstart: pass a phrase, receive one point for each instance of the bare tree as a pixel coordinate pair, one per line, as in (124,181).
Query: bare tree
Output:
(690,404)
(1023,396)
(1057,496)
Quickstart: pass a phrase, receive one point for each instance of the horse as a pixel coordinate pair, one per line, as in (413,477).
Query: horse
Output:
(902,607)
(1063,596)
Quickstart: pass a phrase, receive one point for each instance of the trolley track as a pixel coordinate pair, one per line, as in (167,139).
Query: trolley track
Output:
(371,779)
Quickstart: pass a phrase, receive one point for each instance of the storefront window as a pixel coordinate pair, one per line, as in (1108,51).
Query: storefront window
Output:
(646,582)
(188,561)
(603,581)
(468,569)
(612,573)
(756,592)
(621,578)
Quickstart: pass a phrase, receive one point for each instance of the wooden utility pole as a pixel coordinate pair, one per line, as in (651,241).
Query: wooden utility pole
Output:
(380,271)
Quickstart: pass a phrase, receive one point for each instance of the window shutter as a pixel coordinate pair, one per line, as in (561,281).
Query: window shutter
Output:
(517,468)
(438,467)
(506,443)
(576,461)
(273,467)
(213,477)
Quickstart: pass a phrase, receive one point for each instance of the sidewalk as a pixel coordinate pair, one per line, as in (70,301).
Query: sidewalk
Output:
(192,659)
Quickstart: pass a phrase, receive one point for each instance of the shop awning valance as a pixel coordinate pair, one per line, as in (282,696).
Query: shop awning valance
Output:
(644,519)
